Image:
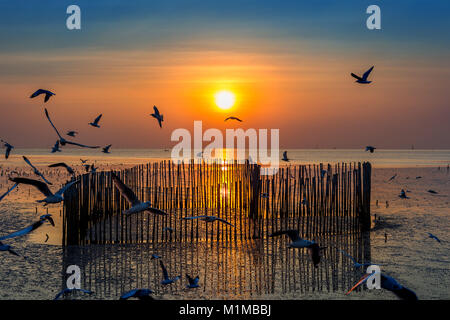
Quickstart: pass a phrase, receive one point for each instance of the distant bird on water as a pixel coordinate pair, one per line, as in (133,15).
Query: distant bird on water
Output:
(56,148)
(393,177)
(432,191)
(96,121)
(68,291)
(167,280)
(141,294)
(8,148)
(106,149)
(43,188)
(157,116)
(136,204)
(432,236)
(390,284)
(233,118)
(370,148)
(35,170)
(297,242)
(72,133)
(47,93)
(62,165)
(403,195)
(7,192)
(363,79)
(285,157)
(31,228)
(208,219)
(193,282)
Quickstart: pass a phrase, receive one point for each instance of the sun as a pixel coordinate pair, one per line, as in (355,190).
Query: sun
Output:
(224,99)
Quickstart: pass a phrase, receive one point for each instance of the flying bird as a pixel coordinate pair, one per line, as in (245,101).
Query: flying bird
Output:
(83,161)
(403,195)
(6,247)
(46,238)
(8,148)
(130,196)
(363,79)
(390,284)
(7,192)
(393,177)
(157,116)
(96,121)
(31,228)
(297,242)
(56,148)
(35,170)
(285,157)
(106,149)
(63,141)
(47,93)
(72,133)
(63,165)
(193,282)
(370,148)
(208,219)
(141,294)
(167,280)
(432,236)
(233,118)
(43,188)
(68,291)
(432,191)
(356,264)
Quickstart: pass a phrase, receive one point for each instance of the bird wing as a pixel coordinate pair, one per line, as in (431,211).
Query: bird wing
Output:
(62,164)
(61,293)
(224,221)
(41,186)
(7,152)
(366,74)
(125,191)
(156,110)
(355,76)
(292,234)
(67,186)
(48,117)
(23,231)
(36,171)
(97,119)
(157,211)
(128,294)
(37,92)
(164,270)
(7,192)
(81,145)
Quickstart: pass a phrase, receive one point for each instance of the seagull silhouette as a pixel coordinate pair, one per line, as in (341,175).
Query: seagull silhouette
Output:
(56,148)
(31,228)
(130,196)
(285,157)
(96,121)
(167,280)
(370,148)
(157,116)
(193,282)
(363,79)
(432,236)
(8,148)
(35,170)
(233,118)
(62,165)
(7,192)
(141,294)
(71,133)
(43,188)
(47,93)
(403,195)
(106,149)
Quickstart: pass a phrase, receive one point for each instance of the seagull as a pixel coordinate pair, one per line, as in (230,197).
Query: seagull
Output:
(8,148)
(233,118)
(157,116)
(83,161)
(370,148)
(356,264)
(390,284)
(167,280)
(56,147)
(136,204)
(7,192)
(432,191)
(63,141)
(393,177)
(403,195)
(64,165)
(46,238)
(141,294)
(285,158)
(72,133)
(67,291)
(6,247)
(106,149)
(36,171)
(47,93)
(43,187)
(96,121)
(363,79)
(193,282)
(298,242)
(418,177)
(432,236)
(29,229)
(87,167)
(208,219)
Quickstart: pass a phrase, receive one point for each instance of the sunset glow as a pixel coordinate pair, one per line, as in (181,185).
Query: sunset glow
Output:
(225,99)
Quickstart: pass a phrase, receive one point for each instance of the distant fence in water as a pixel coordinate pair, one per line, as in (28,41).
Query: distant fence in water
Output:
(315,199)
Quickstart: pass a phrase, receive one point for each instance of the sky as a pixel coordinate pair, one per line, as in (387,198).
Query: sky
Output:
(287,62)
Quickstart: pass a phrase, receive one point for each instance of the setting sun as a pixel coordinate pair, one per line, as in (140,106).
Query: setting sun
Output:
(225,99)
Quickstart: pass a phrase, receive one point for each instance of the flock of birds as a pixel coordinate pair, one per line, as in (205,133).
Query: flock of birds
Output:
(137,205)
